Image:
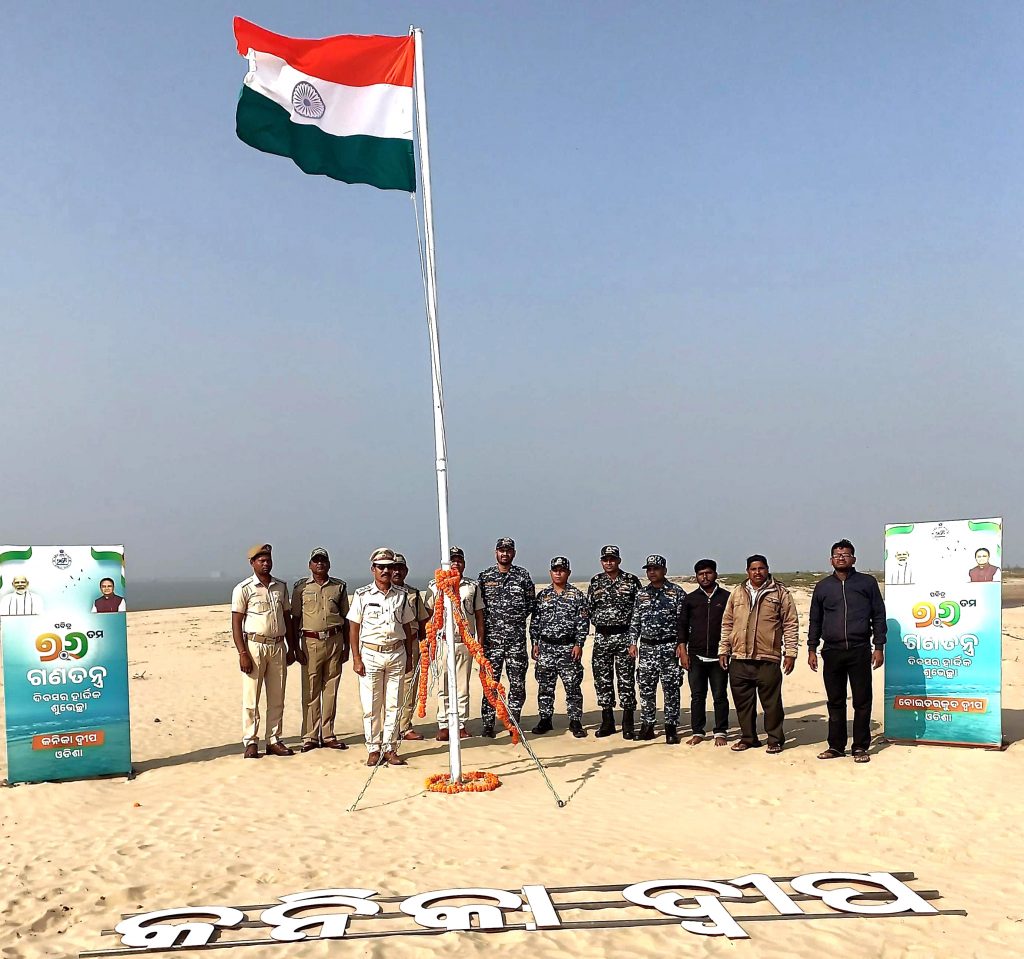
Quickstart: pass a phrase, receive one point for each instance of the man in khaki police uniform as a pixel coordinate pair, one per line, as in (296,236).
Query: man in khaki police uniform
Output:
(262,630)
(473,609)
(319,606)
(382,633)
(411,679)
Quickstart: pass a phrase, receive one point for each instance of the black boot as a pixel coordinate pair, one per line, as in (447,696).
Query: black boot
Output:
(646,731)
(607,723)
(487,730)
(576,728)
(671,735)
(627,724)
(544,726)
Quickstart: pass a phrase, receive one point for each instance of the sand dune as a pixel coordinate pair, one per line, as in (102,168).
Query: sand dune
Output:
(200,825)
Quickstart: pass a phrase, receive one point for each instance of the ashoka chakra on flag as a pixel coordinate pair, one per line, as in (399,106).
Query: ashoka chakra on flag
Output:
(341,107)
(307,102)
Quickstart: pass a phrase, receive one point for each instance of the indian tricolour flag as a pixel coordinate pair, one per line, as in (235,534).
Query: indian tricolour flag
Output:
(341,106)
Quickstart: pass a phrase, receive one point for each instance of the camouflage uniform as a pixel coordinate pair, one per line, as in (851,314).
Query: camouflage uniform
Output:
(654,628)
(559,623)
(508,601)
(611,606)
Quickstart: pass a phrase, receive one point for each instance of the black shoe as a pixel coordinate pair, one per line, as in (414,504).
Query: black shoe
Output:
(646,731)
(627,724)
(607,723)
(544,726)
(576,728)
(487,731)
(671,735)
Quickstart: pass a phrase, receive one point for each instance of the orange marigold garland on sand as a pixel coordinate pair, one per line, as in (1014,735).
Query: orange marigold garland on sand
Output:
(447,581)
(471,783)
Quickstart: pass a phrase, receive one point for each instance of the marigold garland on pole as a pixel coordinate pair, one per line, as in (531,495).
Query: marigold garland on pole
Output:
(448,581)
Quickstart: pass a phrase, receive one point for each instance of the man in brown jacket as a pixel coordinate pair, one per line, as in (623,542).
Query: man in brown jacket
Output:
(759,620)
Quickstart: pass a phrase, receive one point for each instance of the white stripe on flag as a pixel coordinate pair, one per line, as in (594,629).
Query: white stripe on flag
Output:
(380,110)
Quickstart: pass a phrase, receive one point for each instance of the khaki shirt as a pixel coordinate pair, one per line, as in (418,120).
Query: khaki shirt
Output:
(416,598)
(318,608)
(381,616)
(262,606)
(472,601)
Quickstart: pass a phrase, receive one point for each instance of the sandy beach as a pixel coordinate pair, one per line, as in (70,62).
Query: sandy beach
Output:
(198,825)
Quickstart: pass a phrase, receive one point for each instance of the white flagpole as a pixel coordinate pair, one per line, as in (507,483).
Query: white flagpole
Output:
(420,97)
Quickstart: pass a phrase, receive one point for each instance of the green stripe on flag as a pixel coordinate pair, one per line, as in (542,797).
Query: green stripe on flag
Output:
(898,530)
(983,526)
(378,161)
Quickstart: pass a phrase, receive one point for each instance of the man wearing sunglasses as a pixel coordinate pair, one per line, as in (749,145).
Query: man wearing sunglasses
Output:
(382,634)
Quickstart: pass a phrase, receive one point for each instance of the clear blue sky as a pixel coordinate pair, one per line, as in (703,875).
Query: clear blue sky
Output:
(715,278)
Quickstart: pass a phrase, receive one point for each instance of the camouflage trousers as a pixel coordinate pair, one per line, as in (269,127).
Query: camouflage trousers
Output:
(657,662)
(508,652)
(612,661)
(553,663)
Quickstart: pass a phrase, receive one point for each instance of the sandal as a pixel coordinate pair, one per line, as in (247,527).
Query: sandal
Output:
(774,749)
(739,746)
(861,756)
(832,754)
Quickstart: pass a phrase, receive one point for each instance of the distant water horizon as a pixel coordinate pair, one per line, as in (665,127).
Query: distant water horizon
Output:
(146,594)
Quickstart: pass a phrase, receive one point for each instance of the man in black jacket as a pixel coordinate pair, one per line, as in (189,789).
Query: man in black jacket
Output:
(848,615)
(700,630)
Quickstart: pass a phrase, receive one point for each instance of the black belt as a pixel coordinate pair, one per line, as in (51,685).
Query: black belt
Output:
(563,641)
(611,630)
(659,642)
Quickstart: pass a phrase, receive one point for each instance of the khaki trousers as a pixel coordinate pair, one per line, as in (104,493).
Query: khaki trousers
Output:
(303,686)
(269,672)
(408,694)
(378,693)
(321,676)
(464,671)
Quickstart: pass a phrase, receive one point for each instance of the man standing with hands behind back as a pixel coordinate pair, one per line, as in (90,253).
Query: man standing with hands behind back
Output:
(261,627)
(848,614)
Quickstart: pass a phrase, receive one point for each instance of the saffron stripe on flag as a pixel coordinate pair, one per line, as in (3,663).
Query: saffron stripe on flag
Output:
(386,163)
(351,60)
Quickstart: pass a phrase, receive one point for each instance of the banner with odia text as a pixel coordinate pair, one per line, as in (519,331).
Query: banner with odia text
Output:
(943,663)
(63,634)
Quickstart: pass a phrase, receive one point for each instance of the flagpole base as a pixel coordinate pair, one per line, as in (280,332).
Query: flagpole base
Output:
(478,782)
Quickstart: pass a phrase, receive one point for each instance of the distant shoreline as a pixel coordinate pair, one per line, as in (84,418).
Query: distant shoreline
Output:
(147,595)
